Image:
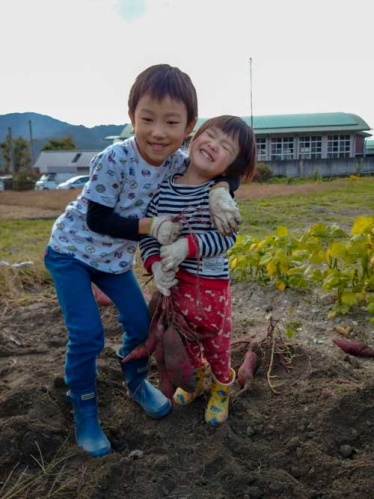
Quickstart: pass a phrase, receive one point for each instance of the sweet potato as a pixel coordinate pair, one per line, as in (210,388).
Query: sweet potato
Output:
(154,304)
(100,297)
(146,349)
(354,347)
(177,362)
(166,385)
(246,371)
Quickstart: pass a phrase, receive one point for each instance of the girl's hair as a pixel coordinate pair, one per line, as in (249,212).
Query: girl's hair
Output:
(236,128)
(162,81)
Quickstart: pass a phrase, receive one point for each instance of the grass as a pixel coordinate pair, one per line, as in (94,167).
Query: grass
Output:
(263,206)
(46,200)
(266,207)
(51,476)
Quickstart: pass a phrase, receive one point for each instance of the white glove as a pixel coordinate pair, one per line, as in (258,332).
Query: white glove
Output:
(223,211)
(163,280)
(173,254)
(164,229)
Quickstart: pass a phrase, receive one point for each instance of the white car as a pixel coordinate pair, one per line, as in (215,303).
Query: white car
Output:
(74,182)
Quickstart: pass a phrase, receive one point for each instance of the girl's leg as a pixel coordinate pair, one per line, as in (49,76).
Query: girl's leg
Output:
(218,353)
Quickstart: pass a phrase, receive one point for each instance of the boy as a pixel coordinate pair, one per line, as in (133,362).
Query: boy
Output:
(95,239)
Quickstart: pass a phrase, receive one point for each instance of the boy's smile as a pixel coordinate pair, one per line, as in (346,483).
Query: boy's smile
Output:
(160,128)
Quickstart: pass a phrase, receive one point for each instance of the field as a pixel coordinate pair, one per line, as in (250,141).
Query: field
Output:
(310,438)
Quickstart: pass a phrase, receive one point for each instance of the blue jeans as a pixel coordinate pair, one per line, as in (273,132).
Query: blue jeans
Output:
(73,283)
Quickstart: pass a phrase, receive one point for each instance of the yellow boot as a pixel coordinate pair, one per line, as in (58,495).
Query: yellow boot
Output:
(182,397)
(218,406)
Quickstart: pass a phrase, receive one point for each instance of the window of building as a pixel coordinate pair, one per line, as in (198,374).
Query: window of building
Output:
(338,146)
(261,149)
(310,147)
(282,148)
(76,157)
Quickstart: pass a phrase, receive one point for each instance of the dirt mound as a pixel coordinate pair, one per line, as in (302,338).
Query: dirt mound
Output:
(312,438)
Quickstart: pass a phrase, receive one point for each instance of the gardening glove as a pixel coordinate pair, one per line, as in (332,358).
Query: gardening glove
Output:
(164,229)
(223,211)
(163,280)
(173,254)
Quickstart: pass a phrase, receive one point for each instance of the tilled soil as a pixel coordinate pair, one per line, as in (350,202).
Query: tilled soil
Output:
(303,432)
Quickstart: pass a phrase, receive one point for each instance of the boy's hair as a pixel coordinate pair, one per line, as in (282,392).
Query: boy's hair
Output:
(162,81)
(236,128)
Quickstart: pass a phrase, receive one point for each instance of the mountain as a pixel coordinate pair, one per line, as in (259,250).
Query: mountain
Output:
(44,128)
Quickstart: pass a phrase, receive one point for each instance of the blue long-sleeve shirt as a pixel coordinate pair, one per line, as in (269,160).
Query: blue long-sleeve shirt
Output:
(192,202)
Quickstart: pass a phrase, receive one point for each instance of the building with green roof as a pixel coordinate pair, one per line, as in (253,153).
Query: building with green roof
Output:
(327,144)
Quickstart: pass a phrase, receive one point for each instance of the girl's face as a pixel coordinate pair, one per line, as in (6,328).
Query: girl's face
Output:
(212,152)
(160,128)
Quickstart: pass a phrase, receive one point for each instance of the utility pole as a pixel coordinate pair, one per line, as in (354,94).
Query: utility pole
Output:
(31,145)
(250,86)
(11,152)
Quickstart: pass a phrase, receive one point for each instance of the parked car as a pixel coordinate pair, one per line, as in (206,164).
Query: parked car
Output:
(50,181)
(74,183)
(2,187)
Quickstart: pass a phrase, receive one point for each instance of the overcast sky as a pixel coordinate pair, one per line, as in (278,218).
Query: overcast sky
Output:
(75,60)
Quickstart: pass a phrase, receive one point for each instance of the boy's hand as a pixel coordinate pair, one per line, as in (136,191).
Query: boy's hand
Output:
(174,254)
(163,280)
(223,211)
(164,229)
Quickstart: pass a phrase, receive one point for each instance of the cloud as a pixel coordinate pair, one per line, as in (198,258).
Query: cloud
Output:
(130,10)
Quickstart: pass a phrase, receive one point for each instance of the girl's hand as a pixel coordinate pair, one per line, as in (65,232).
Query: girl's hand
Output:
(163,280)
(164,229)
(174,254)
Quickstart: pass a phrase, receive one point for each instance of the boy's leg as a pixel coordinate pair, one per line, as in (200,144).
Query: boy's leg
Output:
(72,281)
(125,292)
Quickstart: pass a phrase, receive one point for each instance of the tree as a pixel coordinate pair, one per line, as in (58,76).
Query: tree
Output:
(6,148)
(21,151)
(63,144)
(16,154)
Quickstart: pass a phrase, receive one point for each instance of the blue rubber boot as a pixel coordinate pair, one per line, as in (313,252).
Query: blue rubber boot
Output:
(154,402)
(88,432)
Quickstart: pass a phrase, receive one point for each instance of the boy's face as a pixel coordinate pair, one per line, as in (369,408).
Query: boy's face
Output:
(212,152)
(160,128)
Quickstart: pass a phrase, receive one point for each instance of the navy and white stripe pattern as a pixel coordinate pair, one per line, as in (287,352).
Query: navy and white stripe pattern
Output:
(192,202)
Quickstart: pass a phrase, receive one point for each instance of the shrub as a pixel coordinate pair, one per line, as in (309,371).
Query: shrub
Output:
(263,173)
(23,181)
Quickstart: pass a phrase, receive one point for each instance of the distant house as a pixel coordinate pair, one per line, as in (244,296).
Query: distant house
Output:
(126,132)
(74,162)
(294,145)
(369,147)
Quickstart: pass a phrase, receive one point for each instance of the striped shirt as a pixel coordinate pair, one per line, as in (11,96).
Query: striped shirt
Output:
(192,202)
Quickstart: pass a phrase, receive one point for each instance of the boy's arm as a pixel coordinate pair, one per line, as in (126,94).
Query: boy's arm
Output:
(148,245)
(231,183)
(104,220)
(150,255)
(223,210)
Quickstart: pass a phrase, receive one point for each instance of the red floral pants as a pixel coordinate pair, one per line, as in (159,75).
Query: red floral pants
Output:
(206,306)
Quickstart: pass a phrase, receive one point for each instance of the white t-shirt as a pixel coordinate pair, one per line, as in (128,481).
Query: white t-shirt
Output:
(120,179)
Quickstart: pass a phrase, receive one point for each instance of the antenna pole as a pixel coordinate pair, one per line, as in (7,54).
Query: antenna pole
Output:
(250,86)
